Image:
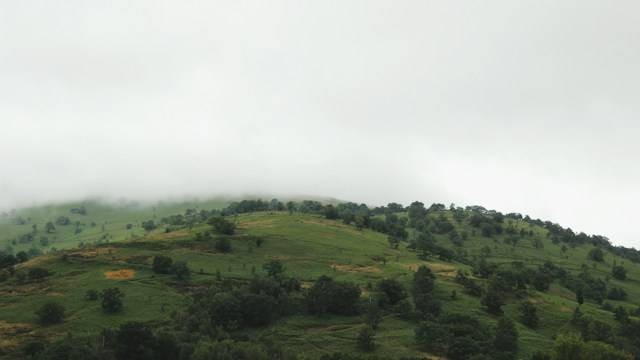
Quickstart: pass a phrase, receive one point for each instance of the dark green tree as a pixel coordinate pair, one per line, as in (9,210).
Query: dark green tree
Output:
(112,300)
(274,268)
(162,264)
(51,313)
(529,314)
(366,339)
(506,336)
(619,272)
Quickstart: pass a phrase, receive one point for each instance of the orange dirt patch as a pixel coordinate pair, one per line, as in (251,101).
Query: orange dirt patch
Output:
(122,274)
(356,268)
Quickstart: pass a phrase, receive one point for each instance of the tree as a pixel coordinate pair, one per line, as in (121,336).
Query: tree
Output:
(423,283)
(135,341)
(423,280)
(580,296)
(392,291)
(162,264)
(330,212)
(333,297)
(49,227)
(223,245)
(596,254)
(619,272)
(274,268)
(373,316)
(22,257)
(493,298)
(222,225)
(63,220)
(291,207)
(112,300)
(148,225)
(366,339)
(529,314)
(506,337)
(51,313)
(180,270)
(91,295)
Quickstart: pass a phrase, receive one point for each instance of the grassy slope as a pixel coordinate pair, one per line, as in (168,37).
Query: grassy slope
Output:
(309,246)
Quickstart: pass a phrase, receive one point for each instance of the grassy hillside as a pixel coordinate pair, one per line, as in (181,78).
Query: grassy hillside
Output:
(310,246)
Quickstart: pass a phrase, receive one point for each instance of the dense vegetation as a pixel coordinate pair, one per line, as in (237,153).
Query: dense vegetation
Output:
(307,279)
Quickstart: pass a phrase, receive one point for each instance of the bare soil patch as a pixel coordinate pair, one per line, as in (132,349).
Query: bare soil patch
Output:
(356,268)
(122,274)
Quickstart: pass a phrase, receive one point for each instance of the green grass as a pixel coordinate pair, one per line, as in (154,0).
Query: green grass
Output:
(308,245)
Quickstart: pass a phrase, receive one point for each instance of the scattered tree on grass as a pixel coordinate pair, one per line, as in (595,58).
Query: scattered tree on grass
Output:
(327,296)
(51,313)
(222,225)
(91,295)
(366,339)
(112,300)
(148,225)
(274,268)
(180,270)
(162,264)
(529,314)
(223,245)
(506,337)
(619,272)
(49,227)
(596,254)
(392,292)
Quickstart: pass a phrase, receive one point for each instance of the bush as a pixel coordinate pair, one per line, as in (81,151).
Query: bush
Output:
(51,313)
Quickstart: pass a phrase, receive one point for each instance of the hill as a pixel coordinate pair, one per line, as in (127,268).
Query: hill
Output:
(307,280)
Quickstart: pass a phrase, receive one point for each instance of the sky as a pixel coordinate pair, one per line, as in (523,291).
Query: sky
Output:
(527,106)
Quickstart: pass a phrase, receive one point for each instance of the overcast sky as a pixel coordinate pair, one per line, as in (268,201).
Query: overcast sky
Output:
(527,106)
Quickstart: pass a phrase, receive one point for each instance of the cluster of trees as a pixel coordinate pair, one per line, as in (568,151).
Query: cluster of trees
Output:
(138,341)
(459,336)
(165,265)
